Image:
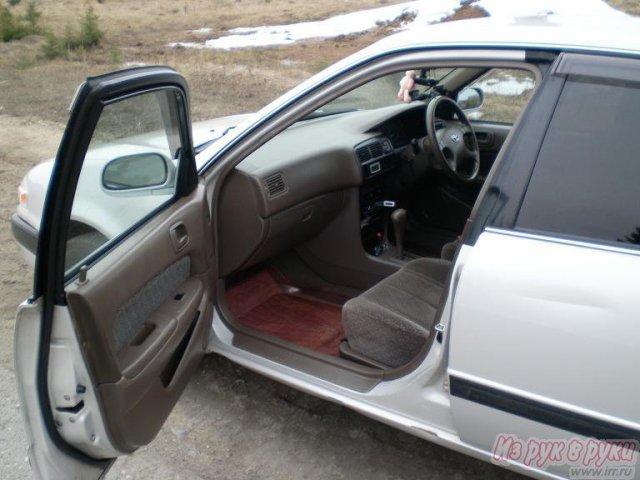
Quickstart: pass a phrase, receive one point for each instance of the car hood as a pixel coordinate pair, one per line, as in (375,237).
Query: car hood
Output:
(208,130)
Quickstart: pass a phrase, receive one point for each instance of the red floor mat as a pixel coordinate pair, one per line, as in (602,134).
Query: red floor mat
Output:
(260,302)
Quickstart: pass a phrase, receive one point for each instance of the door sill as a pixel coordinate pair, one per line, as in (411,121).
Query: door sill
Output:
(334,369)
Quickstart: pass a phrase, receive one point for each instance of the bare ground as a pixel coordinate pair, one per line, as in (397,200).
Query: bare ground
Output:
(23,143)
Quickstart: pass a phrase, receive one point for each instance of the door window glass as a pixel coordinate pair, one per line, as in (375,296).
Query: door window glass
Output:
(129,171)
(378,93)
(506,92)
(585,183)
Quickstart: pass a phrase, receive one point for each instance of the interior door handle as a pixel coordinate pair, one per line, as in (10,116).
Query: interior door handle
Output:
(179,236)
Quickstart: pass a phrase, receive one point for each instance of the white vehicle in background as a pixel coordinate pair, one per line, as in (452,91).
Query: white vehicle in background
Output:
(471,281)
(114,205)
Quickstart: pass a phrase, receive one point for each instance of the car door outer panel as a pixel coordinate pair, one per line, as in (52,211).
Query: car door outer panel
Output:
(561,323)
(131,375)
(559,314)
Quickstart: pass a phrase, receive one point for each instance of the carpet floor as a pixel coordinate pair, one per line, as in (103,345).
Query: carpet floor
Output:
(309,318)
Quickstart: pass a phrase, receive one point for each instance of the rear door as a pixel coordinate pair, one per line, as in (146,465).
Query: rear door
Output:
(122,296)
(544,337)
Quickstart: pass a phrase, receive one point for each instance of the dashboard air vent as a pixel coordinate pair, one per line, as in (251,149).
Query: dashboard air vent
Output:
(363,154)
(376,149)
(373,150)
(275,185)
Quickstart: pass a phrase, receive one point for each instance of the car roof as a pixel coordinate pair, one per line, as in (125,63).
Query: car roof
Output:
(614,32)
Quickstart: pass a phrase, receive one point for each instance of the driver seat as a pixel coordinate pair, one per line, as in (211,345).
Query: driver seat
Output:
(390,322)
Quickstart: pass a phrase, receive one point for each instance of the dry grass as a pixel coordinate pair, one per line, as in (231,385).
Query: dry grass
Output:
(504,108)
(222,82)
(465,11)
(141,19)
(629,6)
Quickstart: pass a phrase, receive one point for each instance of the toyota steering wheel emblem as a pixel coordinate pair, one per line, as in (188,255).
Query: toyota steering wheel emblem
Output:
(455,138)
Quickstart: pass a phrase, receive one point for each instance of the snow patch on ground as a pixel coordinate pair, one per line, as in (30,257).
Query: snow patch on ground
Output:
(426,12)
(509,85)
(347,24)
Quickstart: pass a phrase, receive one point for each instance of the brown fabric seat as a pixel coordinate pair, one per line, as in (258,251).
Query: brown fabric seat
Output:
(449,250)
(390,322)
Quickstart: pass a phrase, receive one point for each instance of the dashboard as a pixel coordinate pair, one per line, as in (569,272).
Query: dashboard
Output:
(405,127)
(288,190)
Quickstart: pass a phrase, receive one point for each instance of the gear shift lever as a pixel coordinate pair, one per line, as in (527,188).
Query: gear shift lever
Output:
(399,221)
(386,205)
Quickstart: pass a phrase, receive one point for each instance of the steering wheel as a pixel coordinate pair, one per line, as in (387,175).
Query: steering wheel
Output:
(454,143)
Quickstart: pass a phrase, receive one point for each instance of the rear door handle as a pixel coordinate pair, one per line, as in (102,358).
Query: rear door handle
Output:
(179,236)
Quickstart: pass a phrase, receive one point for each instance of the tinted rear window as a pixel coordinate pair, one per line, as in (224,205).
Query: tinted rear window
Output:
(586,182)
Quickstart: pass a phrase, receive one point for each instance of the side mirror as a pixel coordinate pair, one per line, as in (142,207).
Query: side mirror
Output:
(133,172)
(470,98)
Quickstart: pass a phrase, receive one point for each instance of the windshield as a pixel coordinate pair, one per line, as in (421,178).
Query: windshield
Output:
(377,93)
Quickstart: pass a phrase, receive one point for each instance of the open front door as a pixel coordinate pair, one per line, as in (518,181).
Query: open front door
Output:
(122,295)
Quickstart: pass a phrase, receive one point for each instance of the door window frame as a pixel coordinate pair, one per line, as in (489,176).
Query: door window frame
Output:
(181,187)
(186,177)
(49,273)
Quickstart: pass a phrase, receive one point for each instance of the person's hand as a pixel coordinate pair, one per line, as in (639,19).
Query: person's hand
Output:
(407,83)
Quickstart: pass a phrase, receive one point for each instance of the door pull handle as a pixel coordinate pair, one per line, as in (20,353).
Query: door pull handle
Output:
(179,236)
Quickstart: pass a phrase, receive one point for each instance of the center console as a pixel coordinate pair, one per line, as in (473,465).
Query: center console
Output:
(378,160)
